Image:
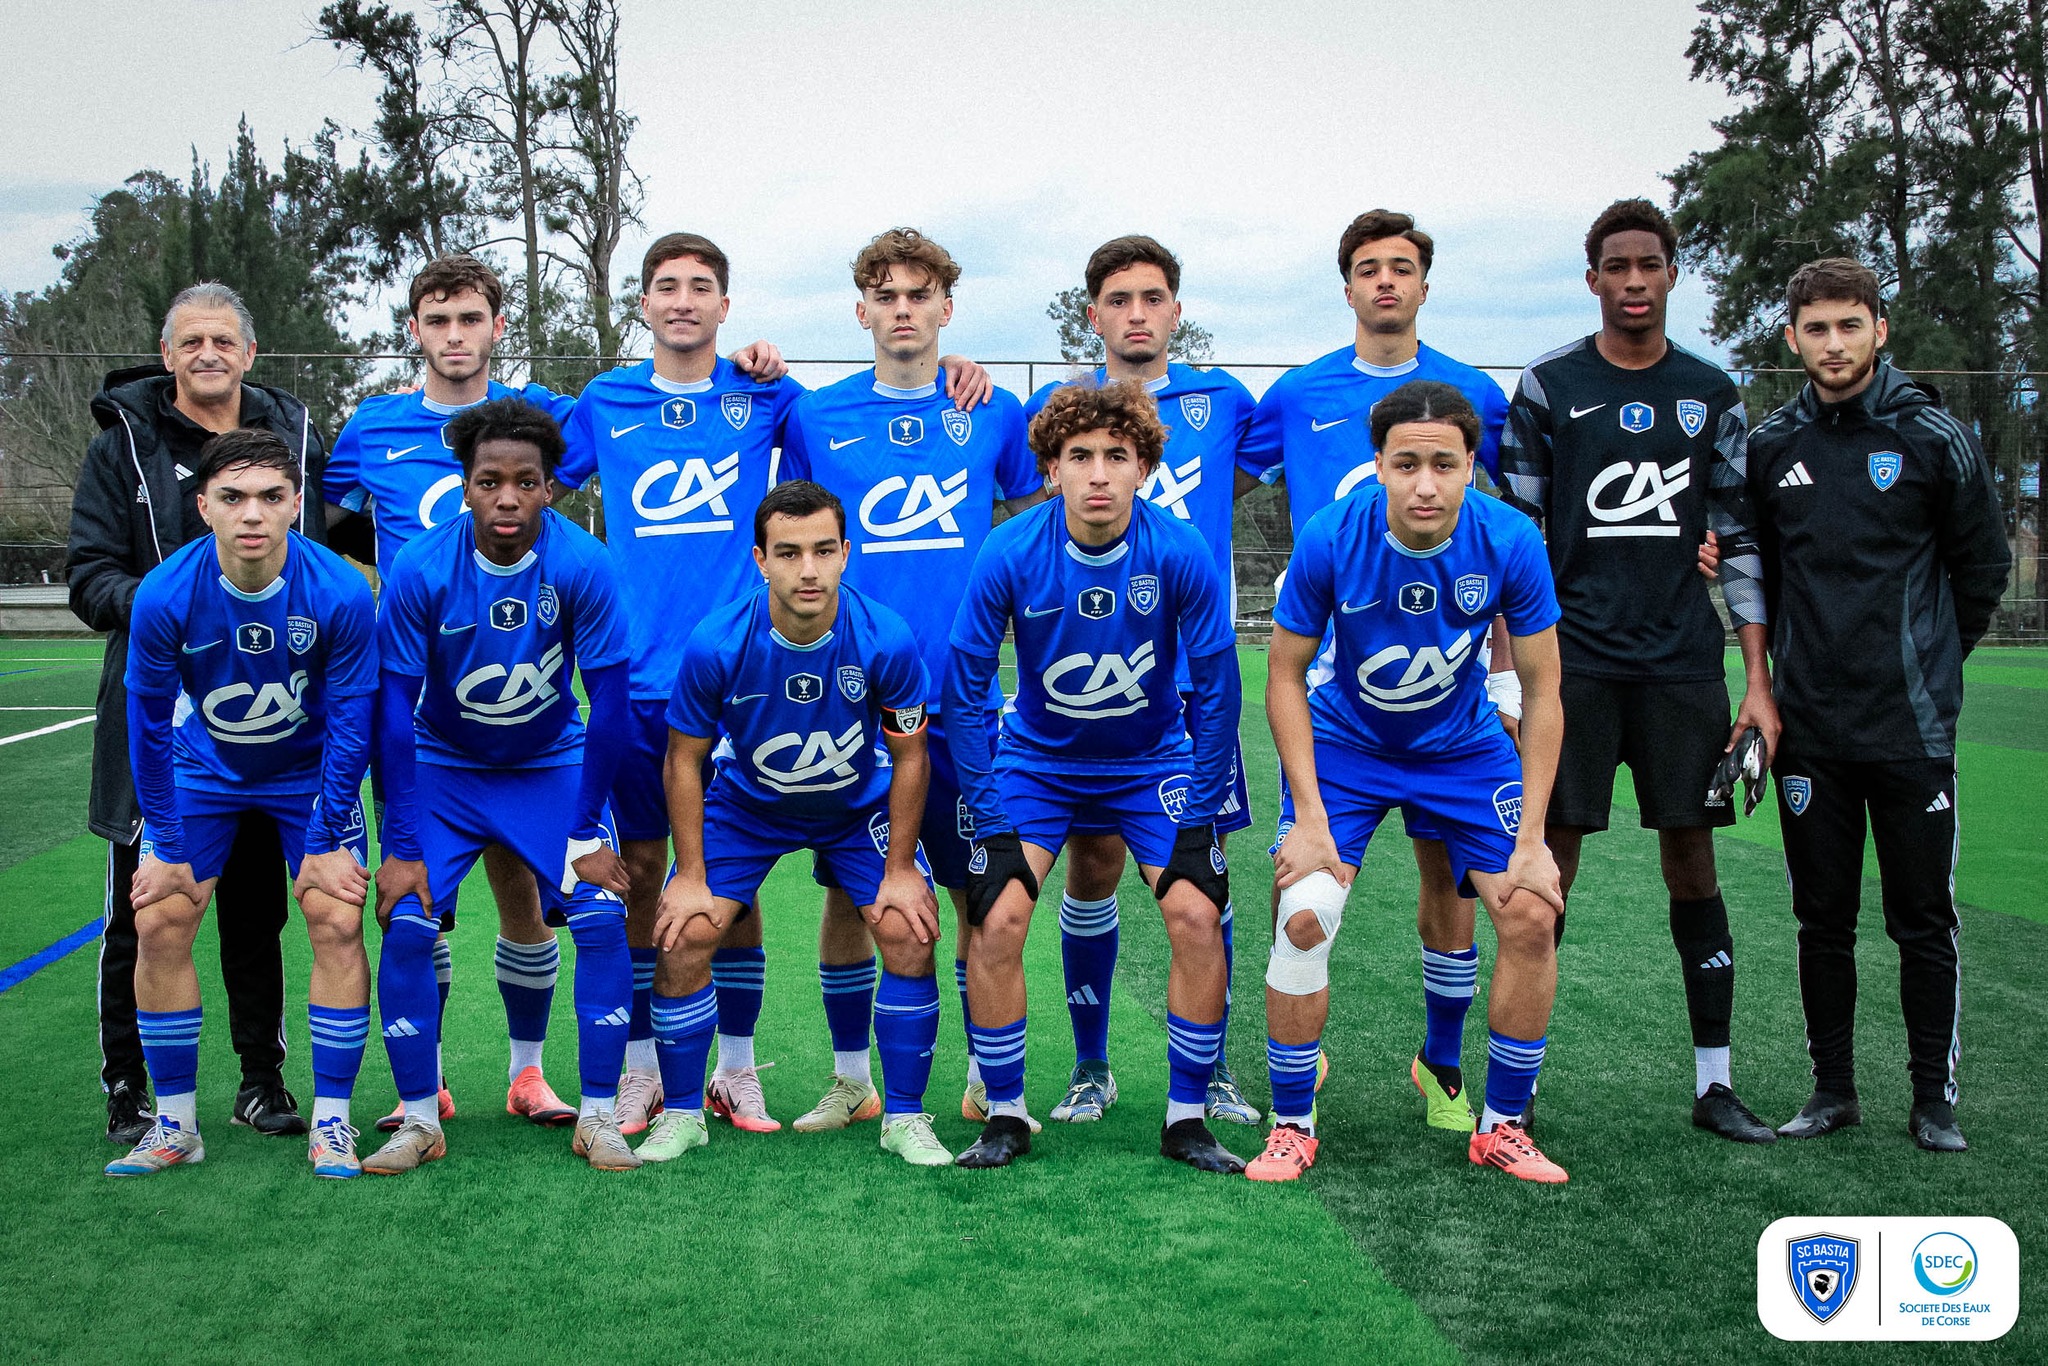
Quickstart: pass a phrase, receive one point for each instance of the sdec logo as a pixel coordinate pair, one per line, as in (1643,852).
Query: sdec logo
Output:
(1944,1263)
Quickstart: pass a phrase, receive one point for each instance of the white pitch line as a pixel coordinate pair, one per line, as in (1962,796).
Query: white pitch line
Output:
(46,730)
(45,708)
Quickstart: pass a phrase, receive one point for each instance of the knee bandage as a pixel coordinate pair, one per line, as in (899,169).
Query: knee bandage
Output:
(1295,971)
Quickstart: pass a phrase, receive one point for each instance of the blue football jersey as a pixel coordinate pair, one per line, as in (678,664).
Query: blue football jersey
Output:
(254,674)
(394,453)
(805,721)
(683,468)
(498,644)
(1409,625)
(920,480)
(1315,424)
(1096,633)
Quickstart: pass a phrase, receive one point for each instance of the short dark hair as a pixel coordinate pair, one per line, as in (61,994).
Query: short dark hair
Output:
(247,446)
(1630,215)
(1122,406)
(671,245)
(796,498)
(505,419)
(1374,224)
(1832,279)
(1122,253)
(446,276)
(905,247)
(1425,400)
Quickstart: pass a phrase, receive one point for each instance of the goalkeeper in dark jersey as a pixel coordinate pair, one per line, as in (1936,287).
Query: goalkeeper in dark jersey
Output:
(1630,450)
(1884,556)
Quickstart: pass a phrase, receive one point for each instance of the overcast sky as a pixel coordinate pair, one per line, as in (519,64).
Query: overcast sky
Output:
(1021,136)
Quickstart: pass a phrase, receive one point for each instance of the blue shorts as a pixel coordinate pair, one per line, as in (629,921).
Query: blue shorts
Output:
(639,801)
(1047,807)
(525,809)
(212,818)
(1474,799)
(743,840)
(1418,823)
(1236,811)
(948,829)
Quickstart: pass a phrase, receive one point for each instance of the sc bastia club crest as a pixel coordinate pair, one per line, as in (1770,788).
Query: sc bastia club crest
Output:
(1798,792)
(300,633)
(1637,417)
(853,682)
(1692,415)
(1195,408)
(1143,593)
(550,607)
(1884,468)
(958,425)
(1471,591)
(978,862)
(737,409)
(1823,1270)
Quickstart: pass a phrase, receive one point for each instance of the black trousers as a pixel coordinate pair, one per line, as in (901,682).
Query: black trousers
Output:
(1909,806)
(250,907)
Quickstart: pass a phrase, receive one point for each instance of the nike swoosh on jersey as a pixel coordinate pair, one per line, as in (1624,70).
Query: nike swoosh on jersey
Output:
(835,445)
(393,455)
(1347,608)
(1316,426)
(448,630)
(750,697)
(195,649)
(618,432)
(1044,611)
(1581,412)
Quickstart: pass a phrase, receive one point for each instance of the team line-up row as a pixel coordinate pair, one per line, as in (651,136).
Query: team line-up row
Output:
(813,666)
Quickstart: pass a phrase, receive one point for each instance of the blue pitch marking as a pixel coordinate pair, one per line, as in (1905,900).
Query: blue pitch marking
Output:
(9,673)
(28,967)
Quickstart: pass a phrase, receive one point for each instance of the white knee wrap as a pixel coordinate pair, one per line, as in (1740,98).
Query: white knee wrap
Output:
(1303,972)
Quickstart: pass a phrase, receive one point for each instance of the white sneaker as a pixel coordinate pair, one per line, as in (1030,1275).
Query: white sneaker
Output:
(640,1099)
(332,1150)
(165,1145)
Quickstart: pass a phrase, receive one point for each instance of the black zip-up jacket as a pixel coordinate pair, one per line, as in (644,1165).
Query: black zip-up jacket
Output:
(1884,557)
(128,513)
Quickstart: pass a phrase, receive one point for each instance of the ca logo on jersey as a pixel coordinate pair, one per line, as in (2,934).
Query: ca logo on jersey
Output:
(1418,599)
(524,692)
(549,607)
(1173,796)
(508,614)
(1395,680)
(695,484)
(432,514)
(853,683)
(737,409)
(1692,415)
(803,687)
(678,412)
(925,501)
(1170,486)
(300,633)
(958,425)
(254,638)
(1143,593)
(1638,417)
(1470,591)
(1649,489)
(1113,685)
(907,430)
(275,711)
(1194,408)
(824,762)
(1884,468)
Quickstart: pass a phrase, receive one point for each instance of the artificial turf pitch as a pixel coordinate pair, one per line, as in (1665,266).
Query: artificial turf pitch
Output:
(820,1248)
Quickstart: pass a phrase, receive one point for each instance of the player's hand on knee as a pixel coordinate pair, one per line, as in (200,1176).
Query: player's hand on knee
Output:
(1198,860)
(336,873)
(156,881)
(1308,848)
(761,361)
(398,878)
(910,897)
(602,867)
(997,861)
(1532,869)
(683,900)
(967,384)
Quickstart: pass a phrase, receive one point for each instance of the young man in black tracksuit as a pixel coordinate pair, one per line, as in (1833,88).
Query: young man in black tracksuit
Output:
(1884,557)
(132,507)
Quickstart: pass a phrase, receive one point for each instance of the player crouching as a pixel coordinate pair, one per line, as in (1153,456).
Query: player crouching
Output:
(1103,591)
(804,677)
(269,641)
(1410,574)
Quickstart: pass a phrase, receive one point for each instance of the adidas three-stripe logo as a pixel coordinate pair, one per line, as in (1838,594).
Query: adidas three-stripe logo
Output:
(1940,803)
(1083,996)
(1719,960)
(1796,477)
(617,1017)
(401,1028)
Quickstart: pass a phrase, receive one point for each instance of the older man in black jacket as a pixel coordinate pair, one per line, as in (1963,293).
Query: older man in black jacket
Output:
(134,505)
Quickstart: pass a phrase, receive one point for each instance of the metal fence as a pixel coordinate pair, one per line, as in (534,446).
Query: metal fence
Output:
(45,425)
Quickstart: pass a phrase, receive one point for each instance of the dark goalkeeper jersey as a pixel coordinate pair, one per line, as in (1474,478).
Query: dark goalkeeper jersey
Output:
(1628,470)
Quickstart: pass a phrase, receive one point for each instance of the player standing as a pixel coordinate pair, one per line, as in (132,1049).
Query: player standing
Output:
(1629,450)
(1103,589)
(920,478)
(1410,577)
(484,623)
(270,640)
(1884,556)
(1313,427)
(1133,288)
(808,681)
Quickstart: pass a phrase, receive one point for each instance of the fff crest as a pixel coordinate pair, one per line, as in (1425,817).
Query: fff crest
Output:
(1418,599)
(1637,417)
(1195,408)
(907,430)
(737,409)
(803,687)
(958,425)
(1884,468)
(1143,592)
(1823,1270)
(300,633)
(255,638)
(678,412)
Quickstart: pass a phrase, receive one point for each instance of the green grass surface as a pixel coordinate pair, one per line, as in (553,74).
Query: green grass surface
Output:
(820,1249)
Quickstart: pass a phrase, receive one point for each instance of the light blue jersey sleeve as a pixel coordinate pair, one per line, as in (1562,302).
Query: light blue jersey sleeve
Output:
(698,699)
(341,481)
(352,661)
(984,616)
(1305,597)
(402,620)
(155,633)
(796,455)
(1528,593)
(1260,450)
(1017,473)
(1493,416)
(593,603)
(901,683)
(579,462)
